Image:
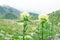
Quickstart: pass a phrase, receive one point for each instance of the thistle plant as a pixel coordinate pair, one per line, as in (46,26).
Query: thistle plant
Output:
(43,18)
(25,17)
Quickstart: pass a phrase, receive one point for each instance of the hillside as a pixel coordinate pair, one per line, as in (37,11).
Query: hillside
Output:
(7,12)
(55,17)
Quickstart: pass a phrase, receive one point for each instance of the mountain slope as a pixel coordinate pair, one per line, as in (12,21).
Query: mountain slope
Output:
(8,12)
(4,10)
(55,17)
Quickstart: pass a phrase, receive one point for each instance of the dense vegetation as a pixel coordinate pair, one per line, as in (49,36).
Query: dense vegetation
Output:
(10,29)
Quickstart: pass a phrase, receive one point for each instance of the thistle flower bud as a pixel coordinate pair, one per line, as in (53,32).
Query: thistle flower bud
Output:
(25,15)
(43,17)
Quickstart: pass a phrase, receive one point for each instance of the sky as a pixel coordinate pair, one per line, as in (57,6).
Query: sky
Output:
(37,6)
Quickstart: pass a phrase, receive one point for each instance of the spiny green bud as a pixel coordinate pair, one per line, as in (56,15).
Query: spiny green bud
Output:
(25,15)
(43,17)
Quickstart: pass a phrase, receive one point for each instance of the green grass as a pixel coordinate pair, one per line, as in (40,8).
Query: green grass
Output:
(10,29)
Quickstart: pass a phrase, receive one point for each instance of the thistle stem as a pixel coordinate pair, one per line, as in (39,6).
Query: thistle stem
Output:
(24,29)
(42,31)
(38,32)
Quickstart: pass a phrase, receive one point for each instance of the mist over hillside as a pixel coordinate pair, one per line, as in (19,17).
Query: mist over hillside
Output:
(7,12)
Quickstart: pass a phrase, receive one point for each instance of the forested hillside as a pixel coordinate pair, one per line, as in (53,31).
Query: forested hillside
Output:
(7,12)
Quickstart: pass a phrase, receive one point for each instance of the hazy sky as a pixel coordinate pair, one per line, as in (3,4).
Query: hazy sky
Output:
(37,6)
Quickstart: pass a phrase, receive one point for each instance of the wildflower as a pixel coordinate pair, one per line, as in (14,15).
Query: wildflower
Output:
(43,17)
(25,14)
